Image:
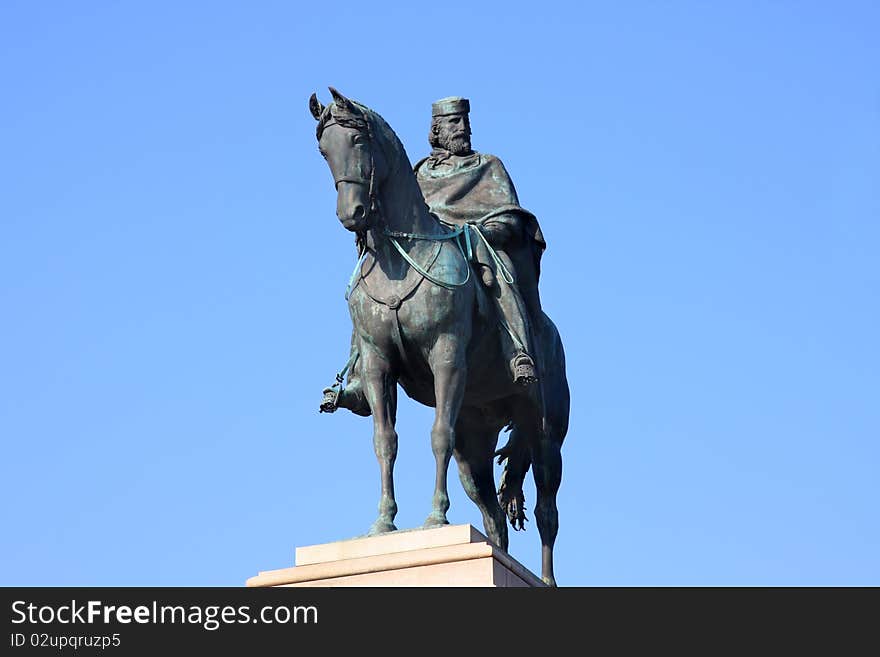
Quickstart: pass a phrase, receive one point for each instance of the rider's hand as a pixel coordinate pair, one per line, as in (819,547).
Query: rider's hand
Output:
(497,233)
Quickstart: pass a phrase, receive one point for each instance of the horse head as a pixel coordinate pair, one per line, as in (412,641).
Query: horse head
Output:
(348,140)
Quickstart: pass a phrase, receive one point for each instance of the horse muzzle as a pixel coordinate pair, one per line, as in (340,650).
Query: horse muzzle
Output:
(357,222)
(352,206)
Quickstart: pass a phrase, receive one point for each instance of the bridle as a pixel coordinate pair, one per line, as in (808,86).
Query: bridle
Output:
(370,183)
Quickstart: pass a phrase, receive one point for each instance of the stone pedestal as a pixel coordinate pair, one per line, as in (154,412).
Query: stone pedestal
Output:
(454,555)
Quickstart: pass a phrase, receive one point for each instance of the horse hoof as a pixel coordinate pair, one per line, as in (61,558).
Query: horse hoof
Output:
(434,520)
(381,527)
(550,581)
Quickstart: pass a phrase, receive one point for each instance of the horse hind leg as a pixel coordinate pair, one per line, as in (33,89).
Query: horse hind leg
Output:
(475,442)
(547,471)
(538,442)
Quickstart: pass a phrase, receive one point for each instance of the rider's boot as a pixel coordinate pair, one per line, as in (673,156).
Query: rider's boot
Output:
(330,400)
(350,397)
(523,367)
(515,323)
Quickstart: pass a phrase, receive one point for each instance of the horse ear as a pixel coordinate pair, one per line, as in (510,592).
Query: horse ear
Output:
(315,107)
(342,102)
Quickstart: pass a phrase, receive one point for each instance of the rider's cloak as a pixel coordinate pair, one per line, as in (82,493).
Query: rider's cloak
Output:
(474,188)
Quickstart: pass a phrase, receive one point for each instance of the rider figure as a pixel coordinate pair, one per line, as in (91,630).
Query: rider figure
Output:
(462,186)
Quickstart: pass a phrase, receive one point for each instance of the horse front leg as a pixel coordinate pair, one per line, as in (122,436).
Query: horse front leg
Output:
(447,361)
(380,390)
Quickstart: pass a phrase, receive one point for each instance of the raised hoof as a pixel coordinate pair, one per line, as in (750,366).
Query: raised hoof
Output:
(435,520)
(329,402)
(381,527)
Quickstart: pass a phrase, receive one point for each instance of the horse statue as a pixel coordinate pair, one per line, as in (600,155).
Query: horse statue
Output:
(421,319)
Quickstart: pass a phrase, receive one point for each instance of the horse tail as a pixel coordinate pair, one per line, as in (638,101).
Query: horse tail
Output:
(545,432)
(517,459)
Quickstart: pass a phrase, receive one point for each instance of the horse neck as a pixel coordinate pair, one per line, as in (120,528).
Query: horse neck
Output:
(403,207)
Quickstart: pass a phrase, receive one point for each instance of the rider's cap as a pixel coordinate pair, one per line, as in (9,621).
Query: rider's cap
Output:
(450,105)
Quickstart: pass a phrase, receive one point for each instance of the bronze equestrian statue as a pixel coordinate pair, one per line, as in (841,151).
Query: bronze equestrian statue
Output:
(443,302)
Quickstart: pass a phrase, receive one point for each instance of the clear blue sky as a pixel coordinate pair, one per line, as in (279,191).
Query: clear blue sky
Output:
(707,176)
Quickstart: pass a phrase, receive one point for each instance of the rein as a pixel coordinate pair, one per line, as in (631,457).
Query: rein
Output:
(456,234)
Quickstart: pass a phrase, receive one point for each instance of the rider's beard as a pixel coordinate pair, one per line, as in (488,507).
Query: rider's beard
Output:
(459,144)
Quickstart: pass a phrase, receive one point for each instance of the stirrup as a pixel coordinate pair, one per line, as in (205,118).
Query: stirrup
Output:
(524,370)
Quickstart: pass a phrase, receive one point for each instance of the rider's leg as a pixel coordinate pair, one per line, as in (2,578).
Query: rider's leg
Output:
(515,318)
(352,395)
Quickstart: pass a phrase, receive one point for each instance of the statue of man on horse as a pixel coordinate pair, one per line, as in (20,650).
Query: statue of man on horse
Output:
(477,348)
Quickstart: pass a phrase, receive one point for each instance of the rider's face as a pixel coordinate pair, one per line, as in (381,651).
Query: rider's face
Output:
(454,132)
